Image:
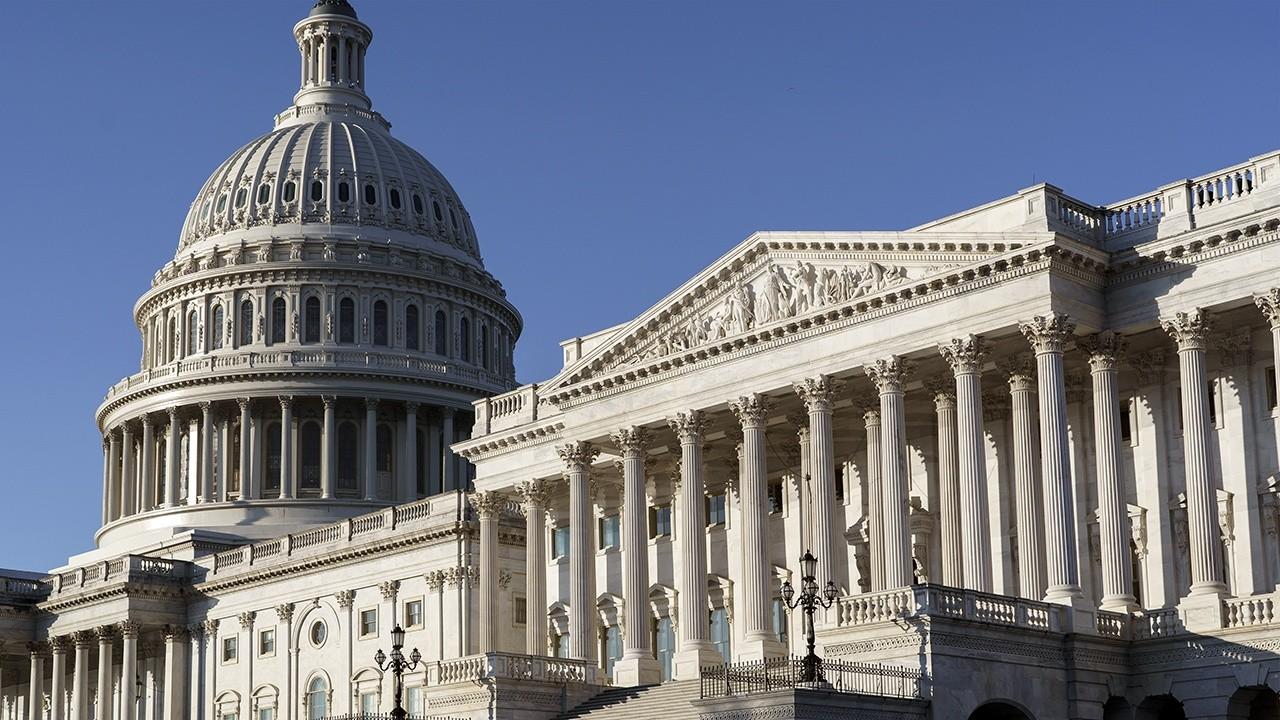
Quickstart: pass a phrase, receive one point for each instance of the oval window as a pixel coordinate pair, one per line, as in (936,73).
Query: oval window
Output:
(208,207)
(290,191)
(264,193)
(370,195)
(242,196)
(453,219)
(319,632)
(222,202)
(417,203)
(435,208)
(344,192)
(317,191)
(394,195)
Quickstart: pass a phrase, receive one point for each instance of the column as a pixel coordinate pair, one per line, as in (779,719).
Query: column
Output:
(1189,330)
(206,452)
(113,465)
(875,528)
(128,670)
(247,491)
(752,412)
(175,671)
(1048,335)
(35,685)
(147,475)
(329,446)
(435,468)
(488,507)
(106,479)
(966,356)
(371,449)
(535,495)
(695,648)
(224,457)
(949,513)
(888,376)
(1030,514)
(577,458)
(286,448)
(128,471)
(105,683)
(449,466)
(409,463)
(80,702)
(195,671)
(637,666)
(817,394)
(1113,517)
(58,687)
(172,461)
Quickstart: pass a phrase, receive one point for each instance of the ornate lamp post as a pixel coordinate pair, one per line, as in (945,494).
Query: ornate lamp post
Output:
(397,664)
(809,601)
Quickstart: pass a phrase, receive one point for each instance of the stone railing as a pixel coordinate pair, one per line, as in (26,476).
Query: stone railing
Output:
(129,568)
(21,587)
(756,677)
(941,601)
(407,517)
(513,666)
(1251,611)
(1149,624)
(507,410)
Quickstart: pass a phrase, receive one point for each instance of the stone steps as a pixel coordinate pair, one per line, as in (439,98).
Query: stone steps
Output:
(668,701)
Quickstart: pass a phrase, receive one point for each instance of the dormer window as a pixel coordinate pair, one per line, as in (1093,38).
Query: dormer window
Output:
(344,192)
(417,203)
(370,194)
(290,191)
(317,190)
(394,196)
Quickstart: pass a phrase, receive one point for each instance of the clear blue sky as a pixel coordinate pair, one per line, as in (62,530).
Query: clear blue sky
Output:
(607,151)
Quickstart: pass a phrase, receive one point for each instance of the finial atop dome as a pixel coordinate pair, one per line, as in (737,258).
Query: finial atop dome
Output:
(333,7)
(332,41)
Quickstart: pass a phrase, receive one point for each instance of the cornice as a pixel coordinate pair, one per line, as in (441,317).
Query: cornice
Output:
(132,589)
(498,444)
(1173,255)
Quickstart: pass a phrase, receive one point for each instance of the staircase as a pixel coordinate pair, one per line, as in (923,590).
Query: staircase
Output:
(668,701)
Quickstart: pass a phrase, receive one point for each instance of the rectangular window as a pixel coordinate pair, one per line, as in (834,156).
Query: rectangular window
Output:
(1126,421)
(660,521)
(1269,380)
(840,483)
(230,648)
(267,642)
(775,498)
(715,510)
(560,542)
(521,610)
(720,632)
(562,645)
(369,622)
(266,714)
(612,648)
(610,531)
(230,716)
(664,646)
(780,620)
(413,700)
(413,614)
(1212,394)
(368,703)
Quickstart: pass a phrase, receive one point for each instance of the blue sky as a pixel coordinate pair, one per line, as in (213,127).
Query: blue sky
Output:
(606,152)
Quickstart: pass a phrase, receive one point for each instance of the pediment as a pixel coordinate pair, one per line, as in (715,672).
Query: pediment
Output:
(776,278)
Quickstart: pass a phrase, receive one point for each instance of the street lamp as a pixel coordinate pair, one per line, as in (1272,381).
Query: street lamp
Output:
(397,665)
(809,601)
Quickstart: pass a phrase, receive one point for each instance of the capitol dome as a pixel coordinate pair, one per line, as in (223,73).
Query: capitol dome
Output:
(317,341)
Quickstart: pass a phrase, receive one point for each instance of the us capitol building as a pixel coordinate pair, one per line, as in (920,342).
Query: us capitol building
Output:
(1033,446)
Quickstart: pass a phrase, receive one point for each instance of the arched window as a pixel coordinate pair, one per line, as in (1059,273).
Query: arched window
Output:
(348,456)
(309,455)
(246,322)
(380,323)
(278,313)
(411,327)
(216,328)
(312,320)
(453,219)
(193,333)
(222,203)
(317,699)
(347,321)
(464,339)
(386,442)
(272,460)
(442,333)
(173,339)
(484,346)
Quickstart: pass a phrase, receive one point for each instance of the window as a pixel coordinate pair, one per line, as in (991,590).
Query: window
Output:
(344,192)
(413,614)
(484,346)
(442,333)
(664,646)
(348,457)
(520,607)
(219,318)
(780,621)
(394,196)
(233,715)
(370,195)
(380,323)
(1269,379)
(413,700)
(317,699)
(720,632)
(453,219)
(222,203)
(1126,422)
(715,510)
(317,191)
(347,321)
(610,531)
(369,703)
(369,623)
(612,648)
(417,204)
(775,497)
(840,483)
(421,466)
(208,207)
(246,322)
(230,648)
(435,209)
(273,457)
(464,339)
(411,333)
(290,191)
(309,450)
(562,645)
(173,338)
(311,330)
(1211,392)
(267,713)
(385,439)
(267,642)
(660,521)
(264,193)
(193,333)
(318,633)
(242,197)
(560,542)
(279,311)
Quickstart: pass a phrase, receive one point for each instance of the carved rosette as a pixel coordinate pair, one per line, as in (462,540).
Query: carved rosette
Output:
(1048,333)
(751,410)
(632,441)
(488,504)
(942,392)
(964,354)
(1269,304)
(818,393)
(130,629)
(536,494)
(578,455)
(1104,350)
(285,612)
(389,588)
(1190,330)
(246,619)
(888,374)
(345,598)
(688,426)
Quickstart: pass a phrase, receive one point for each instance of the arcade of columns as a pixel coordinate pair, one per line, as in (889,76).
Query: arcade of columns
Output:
(1045,515)
(142,459)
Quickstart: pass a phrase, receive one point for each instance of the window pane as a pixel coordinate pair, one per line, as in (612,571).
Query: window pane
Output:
(442,333)
(411,327)
(309,449)
(312,320)
(246,322)
(278,320)
(380,323)
(347,321)
(216,330)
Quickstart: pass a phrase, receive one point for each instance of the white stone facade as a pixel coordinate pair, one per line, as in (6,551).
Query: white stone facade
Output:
(1034,445)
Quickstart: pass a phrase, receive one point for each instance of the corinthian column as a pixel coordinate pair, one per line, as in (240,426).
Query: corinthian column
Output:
(637,666)
(286,447)
(1189,330)
(753,488)
(1030,515)
(371,449)
(206,452)
(84,640)
(35,684)
(175,672)
(536,496)
(244,462)
(966,356)
(128,670)
(147,465)
(488,506)
(875,528)
(577,459)
(128,471)
(888,376)
(696,649)
(113,467)
(58,686)
(105,634)
(172,460)
(329,446)
(817,394)
(949,513)
(1048,335)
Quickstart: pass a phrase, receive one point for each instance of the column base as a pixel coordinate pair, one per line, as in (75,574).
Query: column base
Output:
(1081,616)
(760,648)
(690,660)
(639,670)
(1202,611)
(1120,603)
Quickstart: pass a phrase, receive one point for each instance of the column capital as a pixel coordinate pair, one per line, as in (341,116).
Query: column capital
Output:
(871,417)
(172,633)
(1020,372)
(346,598)
(964,354)
(488,504)
(285,611)
(205,406)
(751,410)
(371,404)
(800,421)
(1104,349)
(38,649)
(1236,349)
(210,627)
(388,589)
(173,414)
(818,393)
(888,374)
(411,408)
(145,420)
(942,392)
(84,638)
(59,644)
(688,426)
(578,455)
(286,402)
(1269,304)
(105,633)
(328,400)
(535,493)
(1189,330)
(130,629)
(632,441)
(243,402)
(1048,333)
(246,619)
